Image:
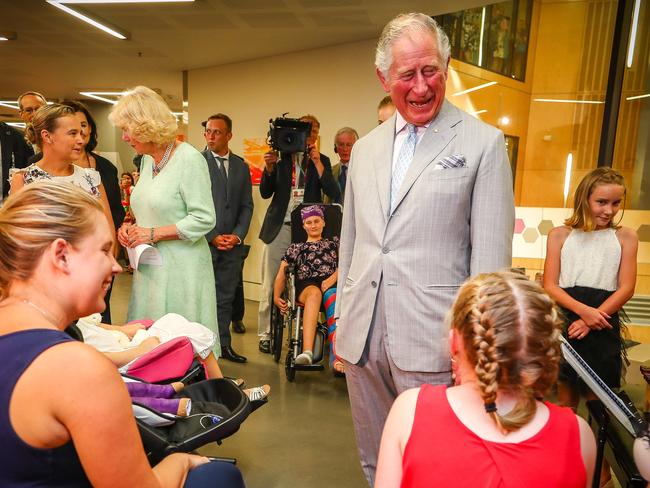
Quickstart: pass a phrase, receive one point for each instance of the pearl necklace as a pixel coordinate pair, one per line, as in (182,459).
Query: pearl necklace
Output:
(157,168)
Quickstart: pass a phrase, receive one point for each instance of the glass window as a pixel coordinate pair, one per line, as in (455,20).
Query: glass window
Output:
(494,37)
(632,147)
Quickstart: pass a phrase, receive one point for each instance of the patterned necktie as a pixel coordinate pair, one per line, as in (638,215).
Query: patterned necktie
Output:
(402,164)
(222,167)
(343,178)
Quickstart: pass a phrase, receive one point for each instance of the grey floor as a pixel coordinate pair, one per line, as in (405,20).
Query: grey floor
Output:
(302,437)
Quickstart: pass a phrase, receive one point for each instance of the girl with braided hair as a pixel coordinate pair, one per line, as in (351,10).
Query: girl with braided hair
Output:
(491,429)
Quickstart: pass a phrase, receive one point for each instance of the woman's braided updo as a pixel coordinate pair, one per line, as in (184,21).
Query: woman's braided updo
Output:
(510,329)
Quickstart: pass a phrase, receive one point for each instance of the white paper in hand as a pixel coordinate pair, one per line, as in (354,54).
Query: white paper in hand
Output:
(144,254)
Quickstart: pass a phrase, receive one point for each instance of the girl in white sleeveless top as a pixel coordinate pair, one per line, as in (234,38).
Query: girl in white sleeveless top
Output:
(590,271)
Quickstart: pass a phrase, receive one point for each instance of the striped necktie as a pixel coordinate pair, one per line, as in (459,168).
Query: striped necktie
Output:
(402,164)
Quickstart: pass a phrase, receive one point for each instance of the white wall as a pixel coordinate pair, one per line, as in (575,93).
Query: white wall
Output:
(337,84)
(109,139)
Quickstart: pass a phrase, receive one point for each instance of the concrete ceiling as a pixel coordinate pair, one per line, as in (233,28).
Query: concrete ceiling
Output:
(59,55)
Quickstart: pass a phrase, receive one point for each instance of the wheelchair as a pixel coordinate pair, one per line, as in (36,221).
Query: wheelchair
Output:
(292,320)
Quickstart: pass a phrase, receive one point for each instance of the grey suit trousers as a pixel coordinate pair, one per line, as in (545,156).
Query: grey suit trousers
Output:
(374,383)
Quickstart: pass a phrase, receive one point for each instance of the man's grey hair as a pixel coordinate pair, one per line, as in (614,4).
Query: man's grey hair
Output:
(401,25)
(346,130)
(32,93)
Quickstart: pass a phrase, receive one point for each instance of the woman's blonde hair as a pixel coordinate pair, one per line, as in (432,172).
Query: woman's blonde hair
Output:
(581,217)
(46,118)
(34,217)
(145,116)
(510,329)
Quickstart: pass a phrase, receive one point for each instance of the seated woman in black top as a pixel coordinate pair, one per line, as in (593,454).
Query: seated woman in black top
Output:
(315,263)
(65,413)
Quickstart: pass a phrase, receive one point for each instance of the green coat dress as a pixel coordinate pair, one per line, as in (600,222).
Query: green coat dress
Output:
(180,194)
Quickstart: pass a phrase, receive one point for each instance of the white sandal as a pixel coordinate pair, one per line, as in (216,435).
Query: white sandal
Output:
(258,393)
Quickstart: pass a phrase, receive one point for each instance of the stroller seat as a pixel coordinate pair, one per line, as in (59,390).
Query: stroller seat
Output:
(163,434)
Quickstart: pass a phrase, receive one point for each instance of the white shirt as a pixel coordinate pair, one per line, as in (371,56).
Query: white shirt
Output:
(226,160)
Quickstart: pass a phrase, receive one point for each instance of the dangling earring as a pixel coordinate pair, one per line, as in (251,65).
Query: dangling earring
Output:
(454,371)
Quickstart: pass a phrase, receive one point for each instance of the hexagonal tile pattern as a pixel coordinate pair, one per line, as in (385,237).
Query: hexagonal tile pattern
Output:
(530,235)
(644,233)
(545,227)
(519,226)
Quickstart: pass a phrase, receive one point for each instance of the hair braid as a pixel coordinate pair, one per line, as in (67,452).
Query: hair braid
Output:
(511,330)
(487,366)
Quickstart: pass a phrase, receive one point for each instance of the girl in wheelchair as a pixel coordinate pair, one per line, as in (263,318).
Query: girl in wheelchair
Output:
(315,263)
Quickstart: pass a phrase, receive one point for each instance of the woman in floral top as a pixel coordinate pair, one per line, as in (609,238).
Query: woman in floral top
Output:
(315,263)
(56,130)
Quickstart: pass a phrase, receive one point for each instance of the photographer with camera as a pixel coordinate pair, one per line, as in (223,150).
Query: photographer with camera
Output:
(298,175)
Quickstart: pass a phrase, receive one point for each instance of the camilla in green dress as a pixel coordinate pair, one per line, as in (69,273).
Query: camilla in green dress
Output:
(179,195)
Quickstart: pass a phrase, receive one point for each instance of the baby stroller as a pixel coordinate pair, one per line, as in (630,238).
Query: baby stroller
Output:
(226,407)
(226,404)
(292,320)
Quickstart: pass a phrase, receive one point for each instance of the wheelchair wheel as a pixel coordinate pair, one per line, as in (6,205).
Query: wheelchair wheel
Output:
(277,324)
(289,367)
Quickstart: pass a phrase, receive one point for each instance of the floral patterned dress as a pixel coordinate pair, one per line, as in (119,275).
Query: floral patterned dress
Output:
(85,178)
(313,261)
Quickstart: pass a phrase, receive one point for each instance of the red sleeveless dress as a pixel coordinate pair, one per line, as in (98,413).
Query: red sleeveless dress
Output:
(443,452)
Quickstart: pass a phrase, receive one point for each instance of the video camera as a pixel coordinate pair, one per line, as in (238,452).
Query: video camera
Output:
(289,135)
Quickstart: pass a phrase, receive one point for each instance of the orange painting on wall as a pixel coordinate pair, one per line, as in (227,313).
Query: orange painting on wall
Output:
(254,149)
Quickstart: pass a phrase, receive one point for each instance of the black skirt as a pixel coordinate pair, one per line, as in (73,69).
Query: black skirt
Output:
(601,349)
(302,284)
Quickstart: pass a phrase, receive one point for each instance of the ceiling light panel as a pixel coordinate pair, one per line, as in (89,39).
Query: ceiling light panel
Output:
(560,100)
(470,90)
(115,32)
(122,1)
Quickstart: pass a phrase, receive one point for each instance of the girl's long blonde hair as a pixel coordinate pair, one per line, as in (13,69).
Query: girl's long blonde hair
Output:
(581,217)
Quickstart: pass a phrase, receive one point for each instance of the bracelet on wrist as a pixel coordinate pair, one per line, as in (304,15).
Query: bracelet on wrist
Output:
(151,241)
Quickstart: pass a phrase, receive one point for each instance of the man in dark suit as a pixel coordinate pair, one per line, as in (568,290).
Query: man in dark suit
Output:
(14,152)
(290,181)
(28,103)
(344,139)
(233,204)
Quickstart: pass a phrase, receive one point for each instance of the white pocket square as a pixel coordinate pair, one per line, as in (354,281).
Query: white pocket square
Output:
(453,161)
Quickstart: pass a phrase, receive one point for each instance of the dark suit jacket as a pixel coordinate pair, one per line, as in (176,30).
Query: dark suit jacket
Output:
(14,152)
(233,203)
(278,185)
(108,173)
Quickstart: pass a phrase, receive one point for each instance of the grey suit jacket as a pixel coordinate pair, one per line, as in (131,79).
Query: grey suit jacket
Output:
(448,224)
(233,201)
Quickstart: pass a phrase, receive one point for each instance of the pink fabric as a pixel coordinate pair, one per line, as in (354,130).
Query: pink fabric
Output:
(168,360)
(146,322)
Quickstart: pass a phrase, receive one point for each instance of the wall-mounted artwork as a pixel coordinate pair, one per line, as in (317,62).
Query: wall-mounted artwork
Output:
(254,149)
